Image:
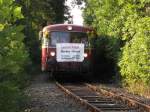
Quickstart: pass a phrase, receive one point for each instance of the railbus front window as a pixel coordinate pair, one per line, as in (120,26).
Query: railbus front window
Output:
(79,37)
(59,37)
(68,37)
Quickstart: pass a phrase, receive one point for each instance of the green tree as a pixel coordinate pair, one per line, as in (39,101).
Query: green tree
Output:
(135,59)
(128,22)
(37,14)
(13,56)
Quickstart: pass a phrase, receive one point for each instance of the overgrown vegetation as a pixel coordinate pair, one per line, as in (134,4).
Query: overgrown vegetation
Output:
(124,42)
(20,22)
(37,14)
(126,22)
(13,57)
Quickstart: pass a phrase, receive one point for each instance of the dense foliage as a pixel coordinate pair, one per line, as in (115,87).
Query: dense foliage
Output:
(13,56)
(135,59)
(126,22)
(20,22)
(37,14)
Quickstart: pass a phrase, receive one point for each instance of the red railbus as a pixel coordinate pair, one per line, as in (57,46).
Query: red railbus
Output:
(66,47)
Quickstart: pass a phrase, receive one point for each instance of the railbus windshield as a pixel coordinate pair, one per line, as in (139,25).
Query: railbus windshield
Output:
(68,37)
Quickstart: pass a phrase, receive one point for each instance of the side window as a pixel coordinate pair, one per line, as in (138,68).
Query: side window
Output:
(40,35)
(45,42)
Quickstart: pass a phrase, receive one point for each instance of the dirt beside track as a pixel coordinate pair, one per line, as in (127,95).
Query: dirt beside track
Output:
(45,96)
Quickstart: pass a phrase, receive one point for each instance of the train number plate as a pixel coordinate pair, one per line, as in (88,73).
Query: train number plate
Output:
(69,52)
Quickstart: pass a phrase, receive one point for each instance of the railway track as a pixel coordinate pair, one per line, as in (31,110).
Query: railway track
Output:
(101,100)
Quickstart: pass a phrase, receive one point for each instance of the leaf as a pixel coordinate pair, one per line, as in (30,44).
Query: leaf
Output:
(1,1)
(1,27)
(17,12)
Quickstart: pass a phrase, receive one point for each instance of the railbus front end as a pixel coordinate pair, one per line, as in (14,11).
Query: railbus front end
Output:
(65,48)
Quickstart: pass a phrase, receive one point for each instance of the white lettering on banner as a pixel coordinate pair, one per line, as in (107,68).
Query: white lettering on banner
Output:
(69,52)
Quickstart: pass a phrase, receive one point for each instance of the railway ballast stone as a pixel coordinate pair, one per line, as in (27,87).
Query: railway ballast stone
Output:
(45,96)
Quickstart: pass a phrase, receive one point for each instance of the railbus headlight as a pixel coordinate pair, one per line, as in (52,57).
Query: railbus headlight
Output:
(52,53)
(85,55)
(69,27)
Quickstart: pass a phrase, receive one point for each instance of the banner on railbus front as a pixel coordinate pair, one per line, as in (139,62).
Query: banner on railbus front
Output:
(69,52)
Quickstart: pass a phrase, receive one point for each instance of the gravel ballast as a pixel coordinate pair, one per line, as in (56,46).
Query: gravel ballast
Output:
(122,92)
(45,96)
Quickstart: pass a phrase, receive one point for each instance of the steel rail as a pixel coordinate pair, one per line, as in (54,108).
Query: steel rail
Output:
(93,102)
(130,102)
(82,101)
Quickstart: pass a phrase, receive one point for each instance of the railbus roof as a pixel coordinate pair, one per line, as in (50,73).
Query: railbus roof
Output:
(65,27)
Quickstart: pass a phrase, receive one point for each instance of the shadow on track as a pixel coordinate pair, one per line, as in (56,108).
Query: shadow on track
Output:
(68,77)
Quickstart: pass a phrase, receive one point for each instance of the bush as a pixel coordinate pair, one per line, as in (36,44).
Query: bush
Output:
(103,59)
(13,57)
(135,59)
(127,21)
(11,98)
